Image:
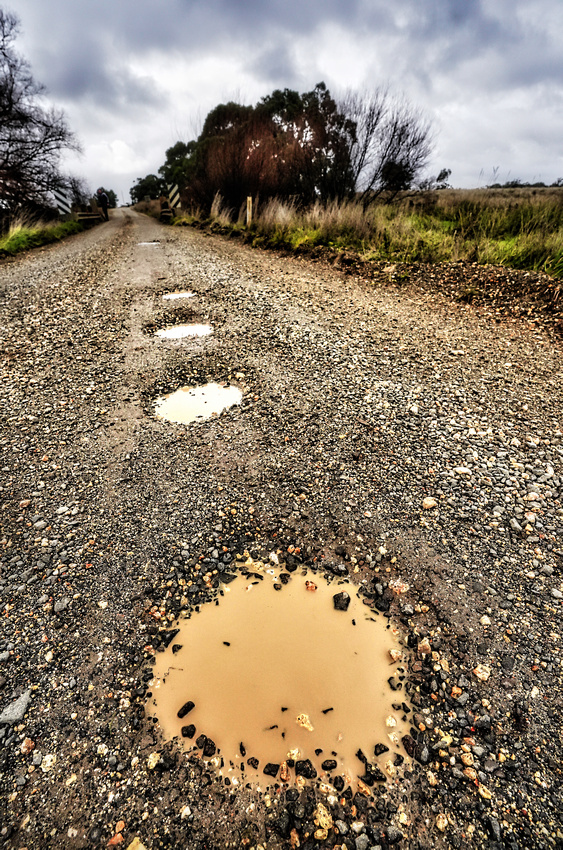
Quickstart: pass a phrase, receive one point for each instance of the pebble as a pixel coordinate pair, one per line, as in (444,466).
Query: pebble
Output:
(15,712)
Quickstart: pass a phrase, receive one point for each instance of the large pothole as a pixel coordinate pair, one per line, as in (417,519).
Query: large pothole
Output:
(286,677)
(192,404)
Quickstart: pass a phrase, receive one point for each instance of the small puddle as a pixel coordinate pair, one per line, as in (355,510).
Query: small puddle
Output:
(183,331)
(190,404)
(274,682)
(173,296)
(148,243)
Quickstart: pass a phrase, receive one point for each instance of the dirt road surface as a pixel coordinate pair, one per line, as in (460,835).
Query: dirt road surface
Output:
(407,441)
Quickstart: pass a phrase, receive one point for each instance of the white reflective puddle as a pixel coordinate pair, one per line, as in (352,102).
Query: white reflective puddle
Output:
(182,331)
(148,243)
(173,296)
(191,404)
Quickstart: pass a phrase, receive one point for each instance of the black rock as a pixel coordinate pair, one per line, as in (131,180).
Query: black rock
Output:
(271,769)
(168,637)
(283,824)
(200,742)
(338,783)
(341,601)
(188,731)
(253,762)
(328,764)
(306,769)
(226,578)
(209,748)
(186,708)
(379,749)
(176,648)
(341,551)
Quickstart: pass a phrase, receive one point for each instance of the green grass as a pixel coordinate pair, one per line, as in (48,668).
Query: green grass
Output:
(518,228)
(23,237)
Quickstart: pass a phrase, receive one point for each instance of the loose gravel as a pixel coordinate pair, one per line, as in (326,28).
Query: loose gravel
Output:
(386,433)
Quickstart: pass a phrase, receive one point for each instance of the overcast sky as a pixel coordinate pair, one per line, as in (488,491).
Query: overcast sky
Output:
(135,76)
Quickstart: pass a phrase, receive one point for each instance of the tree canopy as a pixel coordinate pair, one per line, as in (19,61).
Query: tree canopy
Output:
(306,147)
(32,135)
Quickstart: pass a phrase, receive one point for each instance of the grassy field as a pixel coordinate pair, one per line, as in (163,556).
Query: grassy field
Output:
(24,235)
(517,228)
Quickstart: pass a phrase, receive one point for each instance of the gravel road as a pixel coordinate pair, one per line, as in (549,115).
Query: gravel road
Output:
(385,433)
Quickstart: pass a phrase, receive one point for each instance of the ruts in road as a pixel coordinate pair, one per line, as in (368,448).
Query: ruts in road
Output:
(384,434)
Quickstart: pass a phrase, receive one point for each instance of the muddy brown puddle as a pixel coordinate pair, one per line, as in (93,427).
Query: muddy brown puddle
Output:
(192,404)
(271,675)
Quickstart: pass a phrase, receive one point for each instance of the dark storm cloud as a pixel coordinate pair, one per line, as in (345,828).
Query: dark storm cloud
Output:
(431,37)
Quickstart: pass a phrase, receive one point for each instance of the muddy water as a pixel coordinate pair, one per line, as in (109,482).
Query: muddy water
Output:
(283,673)
(173,296)
(190,404)
(183,331)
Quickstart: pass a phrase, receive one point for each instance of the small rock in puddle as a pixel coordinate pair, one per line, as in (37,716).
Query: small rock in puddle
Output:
(183,331)
(261,662)
(191,404)
(173,296)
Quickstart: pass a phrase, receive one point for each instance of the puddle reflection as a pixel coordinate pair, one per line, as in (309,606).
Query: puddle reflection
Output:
(191,404)
(183,331)
(173,296)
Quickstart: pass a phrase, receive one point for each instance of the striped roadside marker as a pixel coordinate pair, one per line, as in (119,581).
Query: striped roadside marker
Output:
(174,195)
(63,202)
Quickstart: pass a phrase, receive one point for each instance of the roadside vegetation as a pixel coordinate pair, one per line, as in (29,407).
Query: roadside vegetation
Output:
(24,235)
(517,228)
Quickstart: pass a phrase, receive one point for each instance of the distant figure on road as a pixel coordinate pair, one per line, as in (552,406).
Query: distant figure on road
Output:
(103,200)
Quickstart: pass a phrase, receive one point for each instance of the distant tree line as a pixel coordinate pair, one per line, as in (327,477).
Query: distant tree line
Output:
(519,184)
(304,146)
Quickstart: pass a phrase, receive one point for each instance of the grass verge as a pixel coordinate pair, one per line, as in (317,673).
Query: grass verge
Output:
(515,228)
(23,237)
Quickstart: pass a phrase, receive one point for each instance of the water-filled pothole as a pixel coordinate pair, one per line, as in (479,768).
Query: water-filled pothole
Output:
(277,681)
(191,404)
(174,296)
(183,331)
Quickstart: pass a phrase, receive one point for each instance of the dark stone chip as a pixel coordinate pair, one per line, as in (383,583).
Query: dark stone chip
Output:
(226,578)
(341,601)
(284,578)
(168,637)
(200,742)
(271,769)
(188,731)
(338,783)
(306,769)
(242,749)
(186,708)
(409,744)
(379,749)
(209,748)
(328,764)
(253,762)
(176,648)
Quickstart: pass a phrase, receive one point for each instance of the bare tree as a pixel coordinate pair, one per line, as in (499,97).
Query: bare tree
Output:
(392,145)
(32,136)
